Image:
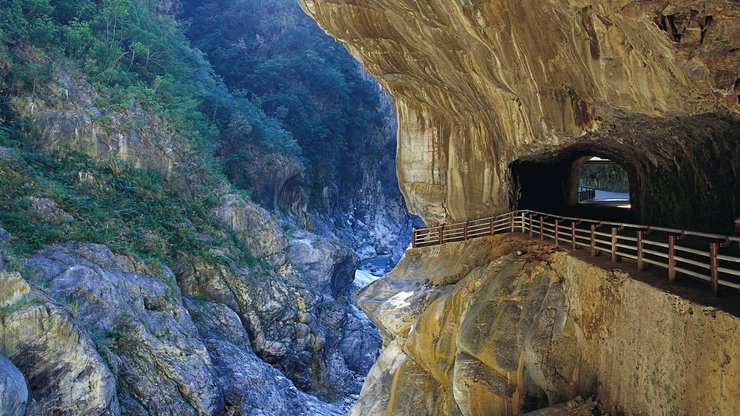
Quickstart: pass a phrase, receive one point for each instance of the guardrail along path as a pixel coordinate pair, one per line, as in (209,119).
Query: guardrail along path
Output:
(710,257)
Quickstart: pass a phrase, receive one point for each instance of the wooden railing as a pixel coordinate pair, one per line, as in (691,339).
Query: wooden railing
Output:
(585,193)
(710,257)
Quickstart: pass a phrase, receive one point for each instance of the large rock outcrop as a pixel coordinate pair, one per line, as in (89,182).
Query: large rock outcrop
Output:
(330,265)
(65,373)
(68,115)
(140,325)
(293,325)
(501,325)
(250,385)
(113,335)
(479,85)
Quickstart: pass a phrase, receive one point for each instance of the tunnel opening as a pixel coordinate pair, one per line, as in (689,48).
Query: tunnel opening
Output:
(602,182)
(576,182)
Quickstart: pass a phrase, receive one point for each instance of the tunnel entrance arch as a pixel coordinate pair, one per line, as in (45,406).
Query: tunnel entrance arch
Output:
(551,183)
(601,182)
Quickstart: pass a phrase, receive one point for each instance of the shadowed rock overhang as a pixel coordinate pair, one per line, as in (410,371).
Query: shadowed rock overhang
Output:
(481,85)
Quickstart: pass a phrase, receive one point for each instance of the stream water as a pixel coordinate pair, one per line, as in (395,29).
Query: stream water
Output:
(372,269)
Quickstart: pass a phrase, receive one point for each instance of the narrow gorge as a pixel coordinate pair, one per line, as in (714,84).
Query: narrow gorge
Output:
(220,207)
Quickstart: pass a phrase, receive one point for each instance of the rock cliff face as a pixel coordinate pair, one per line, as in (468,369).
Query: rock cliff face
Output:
(498,332)
(371,218)
(112,335)
(94,331)
(67,115)
(484,87)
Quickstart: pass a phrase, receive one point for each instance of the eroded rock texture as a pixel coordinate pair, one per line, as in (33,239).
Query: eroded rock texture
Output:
(480,84)
(64,372)
(497,332)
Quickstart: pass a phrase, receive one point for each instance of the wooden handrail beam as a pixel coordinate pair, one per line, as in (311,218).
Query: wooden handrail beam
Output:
(665,256)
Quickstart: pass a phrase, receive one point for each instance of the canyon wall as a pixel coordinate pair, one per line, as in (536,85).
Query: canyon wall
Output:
(652,85)
(513,325)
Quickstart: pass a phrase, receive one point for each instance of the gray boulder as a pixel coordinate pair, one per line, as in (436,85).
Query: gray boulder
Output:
(65,373)
(255,226)
(330,265)
(251,386)
(140,325)
(290,323)
(13,390)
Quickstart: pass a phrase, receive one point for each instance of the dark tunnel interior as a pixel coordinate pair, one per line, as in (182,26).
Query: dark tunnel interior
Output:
(683,173)
(551,185)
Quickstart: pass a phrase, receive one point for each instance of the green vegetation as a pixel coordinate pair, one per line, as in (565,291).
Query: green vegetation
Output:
(275,55)
(279,88)
(133,211)
(608,177)
(133,56)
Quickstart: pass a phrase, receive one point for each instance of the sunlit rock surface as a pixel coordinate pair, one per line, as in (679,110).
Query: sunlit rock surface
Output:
(480,84)
(475,328)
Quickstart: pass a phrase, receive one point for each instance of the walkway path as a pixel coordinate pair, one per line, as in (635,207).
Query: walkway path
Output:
(709,257)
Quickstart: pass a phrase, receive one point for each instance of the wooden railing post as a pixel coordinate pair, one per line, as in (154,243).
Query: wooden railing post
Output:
(573,235)
(557,236)
(714,266)
(531,225)
(441,233)
(614,245)
(413,237)
(640,261)
(493,221)
(524,223)
(465,230)
(542,230)
(671,258)
(593,240)
(511,221)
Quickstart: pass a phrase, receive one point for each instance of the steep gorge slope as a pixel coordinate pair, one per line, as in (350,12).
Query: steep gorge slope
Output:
(343,183)
(134,278)
(178,319)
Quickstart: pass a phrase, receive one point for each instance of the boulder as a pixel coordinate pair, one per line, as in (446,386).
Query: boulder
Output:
(292,324)
(65,373)
(255,226)
(140,325)
(250,385)
(13,390)
(330,265)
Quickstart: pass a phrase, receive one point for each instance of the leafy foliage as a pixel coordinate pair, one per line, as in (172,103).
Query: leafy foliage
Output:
(279,86)
(136,57)
(609,177)
(278,57)
(133,211)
